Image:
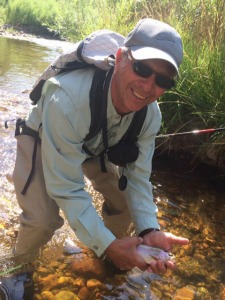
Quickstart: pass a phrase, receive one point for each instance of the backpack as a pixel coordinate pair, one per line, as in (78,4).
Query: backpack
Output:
(96,51)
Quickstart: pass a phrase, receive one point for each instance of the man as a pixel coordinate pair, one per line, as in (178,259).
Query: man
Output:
(144,69)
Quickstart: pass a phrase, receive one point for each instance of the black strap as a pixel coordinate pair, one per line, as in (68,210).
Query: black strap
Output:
(104,120)
(135,126)
(98,101)
(148,230)
(35,94)
(34,155)
(79,51)
(22,129)
(98,106)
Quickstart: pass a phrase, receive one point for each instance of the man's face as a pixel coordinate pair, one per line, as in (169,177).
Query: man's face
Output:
(130,91)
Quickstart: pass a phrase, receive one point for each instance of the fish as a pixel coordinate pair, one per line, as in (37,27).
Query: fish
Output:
(150,254)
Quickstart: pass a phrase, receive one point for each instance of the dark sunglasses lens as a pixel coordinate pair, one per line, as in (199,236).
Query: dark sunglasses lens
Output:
(164,82)
(145,71)
(141,69)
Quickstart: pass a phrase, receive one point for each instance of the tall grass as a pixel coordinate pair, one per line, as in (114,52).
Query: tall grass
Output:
(32,13)
(198,101)
(81,17)
(2,15)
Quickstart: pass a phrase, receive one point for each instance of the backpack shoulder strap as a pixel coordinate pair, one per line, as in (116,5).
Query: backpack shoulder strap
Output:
(135,126)
(98,101)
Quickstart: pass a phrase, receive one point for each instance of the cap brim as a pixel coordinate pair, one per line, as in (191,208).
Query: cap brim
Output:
(141,53)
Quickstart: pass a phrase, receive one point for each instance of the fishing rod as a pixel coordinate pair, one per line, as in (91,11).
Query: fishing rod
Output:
(209,130)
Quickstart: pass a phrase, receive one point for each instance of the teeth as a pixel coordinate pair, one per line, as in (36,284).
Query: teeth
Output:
(138,95)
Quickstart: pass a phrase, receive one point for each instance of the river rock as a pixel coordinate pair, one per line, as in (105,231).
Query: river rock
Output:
(89,267)
(63,280)
(223,293)
(93,284)
(48,282)
(66,295)
(79,282)
(203,294)
(46,295)
(83,293)
(185,293)
(189,267)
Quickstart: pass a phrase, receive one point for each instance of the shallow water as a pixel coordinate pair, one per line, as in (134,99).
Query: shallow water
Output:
(190,200)
(22,61)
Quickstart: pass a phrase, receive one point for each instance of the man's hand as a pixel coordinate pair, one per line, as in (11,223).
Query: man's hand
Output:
(123,253)
(165,241)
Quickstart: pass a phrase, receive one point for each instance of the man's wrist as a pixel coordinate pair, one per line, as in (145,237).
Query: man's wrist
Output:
(148,230)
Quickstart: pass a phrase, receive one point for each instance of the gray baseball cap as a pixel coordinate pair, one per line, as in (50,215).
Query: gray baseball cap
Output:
(153,39)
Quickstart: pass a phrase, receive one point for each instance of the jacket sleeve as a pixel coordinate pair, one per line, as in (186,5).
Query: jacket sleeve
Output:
(138,193)
(62,158)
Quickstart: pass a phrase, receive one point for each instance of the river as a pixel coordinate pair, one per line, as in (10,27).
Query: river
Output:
(190,200)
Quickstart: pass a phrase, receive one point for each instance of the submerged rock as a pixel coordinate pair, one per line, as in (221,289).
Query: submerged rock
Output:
(186,293)
(48,282)
(93,284)
(89,267)
(83,293)
(46,295)
(66,295)
(203,294)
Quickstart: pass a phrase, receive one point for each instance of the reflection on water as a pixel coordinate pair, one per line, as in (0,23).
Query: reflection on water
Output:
(191,204)
(21,62)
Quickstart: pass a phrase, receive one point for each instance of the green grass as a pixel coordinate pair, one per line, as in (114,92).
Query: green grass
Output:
(35,15)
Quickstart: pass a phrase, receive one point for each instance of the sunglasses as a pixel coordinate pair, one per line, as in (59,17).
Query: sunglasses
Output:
(145,71)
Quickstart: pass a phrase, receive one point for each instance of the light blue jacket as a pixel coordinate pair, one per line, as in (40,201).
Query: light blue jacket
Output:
(65,115)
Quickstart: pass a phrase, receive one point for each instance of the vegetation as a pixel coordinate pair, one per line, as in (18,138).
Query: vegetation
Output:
(198,99)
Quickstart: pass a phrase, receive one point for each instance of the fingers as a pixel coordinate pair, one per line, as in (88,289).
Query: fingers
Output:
(164,240)
(123,253)
(170,265)
(159,267)
(139,240)
(183,241)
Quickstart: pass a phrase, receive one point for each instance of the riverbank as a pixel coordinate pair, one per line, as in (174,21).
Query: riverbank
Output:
(46,40)
(25,33)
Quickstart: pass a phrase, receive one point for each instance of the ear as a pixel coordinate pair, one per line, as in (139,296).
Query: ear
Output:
(119,55)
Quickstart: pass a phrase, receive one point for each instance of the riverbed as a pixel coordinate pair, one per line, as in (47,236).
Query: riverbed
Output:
(190,200)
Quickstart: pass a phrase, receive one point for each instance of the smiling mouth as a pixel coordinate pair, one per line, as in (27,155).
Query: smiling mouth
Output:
(137,95)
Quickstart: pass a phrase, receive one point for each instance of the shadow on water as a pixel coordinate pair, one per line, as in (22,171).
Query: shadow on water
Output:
(190,200)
